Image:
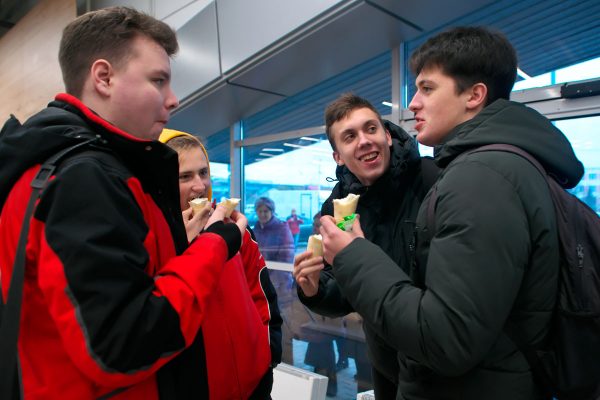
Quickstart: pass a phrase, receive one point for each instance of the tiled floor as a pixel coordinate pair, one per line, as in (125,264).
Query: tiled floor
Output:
(346,382)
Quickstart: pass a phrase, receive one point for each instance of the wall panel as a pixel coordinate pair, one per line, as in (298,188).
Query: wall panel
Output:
(29,69)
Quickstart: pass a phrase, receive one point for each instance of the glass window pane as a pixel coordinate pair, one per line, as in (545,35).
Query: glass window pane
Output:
(293,174)
(220,176)
(585,70)
(217,147)
(584,135)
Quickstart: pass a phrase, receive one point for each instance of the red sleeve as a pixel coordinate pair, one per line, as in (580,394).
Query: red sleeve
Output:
(118,323)
(263,293)
(253,264)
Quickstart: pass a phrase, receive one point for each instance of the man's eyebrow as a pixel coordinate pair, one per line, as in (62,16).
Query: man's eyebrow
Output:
(347,130)
(163,73)
(424,81)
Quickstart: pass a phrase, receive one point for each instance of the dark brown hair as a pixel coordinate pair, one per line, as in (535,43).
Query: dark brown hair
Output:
(470,55)
(341,107)
(107,33)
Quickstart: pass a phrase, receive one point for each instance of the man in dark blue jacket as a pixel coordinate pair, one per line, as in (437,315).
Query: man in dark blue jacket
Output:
(380,162)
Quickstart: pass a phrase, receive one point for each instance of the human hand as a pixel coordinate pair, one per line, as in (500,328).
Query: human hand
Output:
(307,270)
(195,222)
(218,214)
(335,239)
(240,220)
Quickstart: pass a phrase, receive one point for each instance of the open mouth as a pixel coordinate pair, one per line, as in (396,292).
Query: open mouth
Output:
(369,157)
(198,196)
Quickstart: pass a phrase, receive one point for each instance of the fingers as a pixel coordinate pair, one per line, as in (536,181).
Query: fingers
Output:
(201,218)
(194,223)
(240,220)
(217,215)
(309,271)
(356,228)
(305,264)
(302,256)
(328,225)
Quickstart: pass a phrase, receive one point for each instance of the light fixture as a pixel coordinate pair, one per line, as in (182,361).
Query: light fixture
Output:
(296,146)
(310,138)
(522,74)
(387,103)
(275,150)
(266,154)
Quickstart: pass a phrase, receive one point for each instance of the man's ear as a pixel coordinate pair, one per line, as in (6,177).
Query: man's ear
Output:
(388,137)
(337,159)
(101,73)
(477,97)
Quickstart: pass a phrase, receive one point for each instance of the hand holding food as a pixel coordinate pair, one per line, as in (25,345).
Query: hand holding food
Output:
(307,270)
(315,244)
(198,204)
(344,211)
(230,205)
(334,240)
(195,220)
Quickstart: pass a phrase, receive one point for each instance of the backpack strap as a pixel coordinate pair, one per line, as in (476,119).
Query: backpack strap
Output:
(11,309)
(509,148)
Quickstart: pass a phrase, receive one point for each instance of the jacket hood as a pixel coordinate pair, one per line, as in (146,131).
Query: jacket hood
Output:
(508,122)
(65,122)
(403,152)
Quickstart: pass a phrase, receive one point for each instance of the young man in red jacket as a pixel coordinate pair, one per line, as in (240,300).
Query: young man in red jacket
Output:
(114,299)
(248,341)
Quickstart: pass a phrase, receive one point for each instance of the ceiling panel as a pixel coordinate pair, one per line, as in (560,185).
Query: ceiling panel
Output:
(197,63)
(331,49)
(218,110)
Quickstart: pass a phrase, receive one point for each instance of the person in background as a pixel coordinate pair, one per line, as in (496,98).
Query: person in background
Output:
(248,299)
(114,297)
(294,223)
(273,235)
(486,260)
(276,244)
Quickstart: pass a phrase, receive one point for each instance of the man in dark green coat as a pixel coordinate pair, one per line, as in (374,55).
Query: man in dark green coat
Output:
(491,255)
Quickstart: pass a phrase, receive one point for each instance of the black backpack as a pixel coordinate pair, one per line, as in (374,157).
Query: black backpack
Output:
(567,367)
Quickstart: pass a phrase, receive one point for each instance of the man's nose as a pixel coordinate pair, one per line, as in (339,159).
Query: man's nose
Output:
(414,103)
(363,138)
(198,184)
(171,100)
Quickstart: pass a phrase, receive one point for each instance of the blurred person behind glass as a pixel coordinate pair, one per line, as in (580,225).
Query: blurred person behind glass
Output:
(276,244)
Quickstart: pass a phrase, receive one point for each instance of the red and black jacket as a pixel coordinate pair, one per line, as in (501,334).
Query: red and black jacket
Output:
(112,292)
